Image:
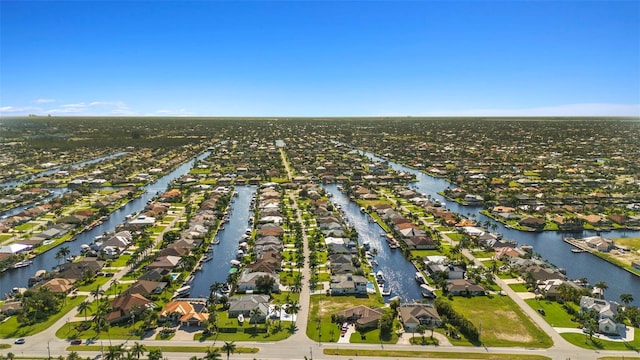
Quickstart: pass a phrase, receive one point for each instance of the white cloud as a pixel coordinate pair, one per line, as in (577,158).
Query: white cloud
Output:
(94,108)
(44,101)
(593,109)
(12,110)
(168,112)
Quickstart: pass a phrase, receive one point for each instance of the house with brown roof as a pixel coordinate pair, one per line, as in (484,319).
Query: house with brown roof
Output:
(414,315)
(362,316)
(125,306)
(146,287)
(76,270)
(59,285)
(463,287)
(532,222)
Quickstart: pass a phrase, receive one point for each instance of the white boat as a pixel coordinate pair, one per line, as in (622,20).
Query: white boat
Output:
(22,263)
(420,278)
(386,290)
(235,262)
(427,292)
(182,292)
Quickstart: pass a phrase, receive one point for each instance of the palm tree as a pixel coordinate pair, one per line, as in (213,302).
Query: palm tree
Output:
(83,307)
(138,350)
(73,356)
(229,348)
(114,353)
(293,308)
(155,354)
(216,288)
(253,314)
(602,286)
(626,298)
(277,307)
(97,292)
(212,354)
(115,283)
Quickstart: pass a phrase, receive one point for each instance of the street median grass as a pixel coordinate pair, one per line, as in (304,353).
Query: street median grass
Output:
(431,354)
(167,349)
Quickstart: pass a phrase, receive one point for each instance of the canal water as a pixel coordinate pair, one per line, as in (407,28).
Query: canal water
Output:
(398,271)
(548,244)
(55,192)
(58,168)
(217,269)
(20,277)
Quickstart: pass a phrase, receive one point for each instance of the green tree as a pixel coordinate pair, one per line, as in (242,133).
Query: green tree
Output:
(155,354)
(73,356)
(229,348)
(293,308)
(83,307)
(265,283)
(212,354)
(138,350)
(626,298)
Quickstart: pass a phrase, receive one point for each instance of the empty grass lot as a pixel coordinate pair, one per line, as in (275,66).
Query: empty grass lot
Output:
(555,314)
(501,322)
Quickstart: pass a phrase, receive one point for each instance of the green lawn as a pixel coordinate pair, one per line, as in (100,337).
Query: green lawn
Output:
(26,226)
(372,337)
(501,322)
(98,281)
(422,253)
(12,329)
(555,314)
(483,254)
(518,287)
(121,261)
(583,341)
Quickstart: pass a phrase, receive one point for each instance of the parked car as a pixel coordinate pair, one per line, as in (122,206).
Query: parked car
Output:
(20,341)
(76,341)
(541,311)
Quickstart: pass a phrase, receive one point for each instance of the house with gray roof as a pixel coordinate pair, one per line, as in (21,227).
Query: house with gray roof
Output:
(246,304)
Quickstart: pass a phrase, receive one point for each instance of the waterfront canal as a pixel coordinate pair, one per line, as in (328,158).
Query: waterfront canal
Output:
(20,277)
(217,269)
(58,168)
(398,271)
(548,244)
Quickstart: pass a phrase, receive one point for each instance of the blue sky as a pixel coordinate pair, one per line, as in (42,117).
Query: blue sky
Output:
(356,58)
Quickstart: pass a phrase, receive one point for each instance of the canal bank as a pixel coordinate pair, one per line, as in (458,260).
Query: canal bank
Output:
(217,269)
(548,244)
(46,261)
(397,271)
